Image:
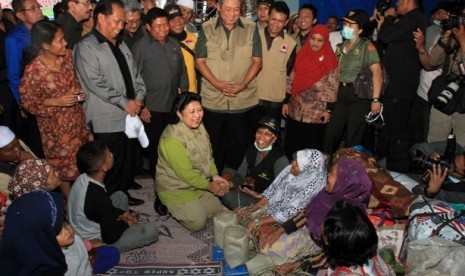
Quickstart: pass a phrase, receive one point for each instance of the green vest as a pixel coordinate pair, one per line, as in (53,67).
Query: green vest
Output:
(229,61)
(197,145)
(272,78)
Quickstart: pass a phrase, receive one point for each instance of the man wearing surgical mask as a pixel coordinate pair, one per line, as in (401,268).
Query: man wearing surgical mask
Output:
(441,12)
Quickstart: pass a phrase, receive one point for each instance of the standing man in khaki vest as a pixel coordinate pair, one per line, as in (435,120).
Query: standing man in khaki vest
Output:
(279,51)
(228,56)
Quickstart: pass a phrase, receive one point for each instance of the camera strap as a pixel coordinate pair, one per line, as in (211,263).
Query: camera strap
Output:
(446,66)
(447,47)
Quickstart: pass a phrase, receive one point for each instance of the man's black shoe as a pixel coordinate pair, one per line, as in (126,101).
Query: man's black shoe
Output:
(159,207)
(135,186)
(134,201)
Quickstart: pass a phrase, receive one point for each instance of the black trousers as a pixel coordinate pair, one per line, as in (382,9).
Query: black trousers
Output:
(419,120)
(10,116)
(124,150)
(396,116)
(301,135)
(229,136)
(349,116)
(154,129)
(25,129)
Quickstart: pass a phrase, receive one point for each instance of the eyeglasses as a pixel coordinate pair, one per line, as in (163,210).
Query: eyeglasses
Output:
(87,4)
(32,8)
(376,120)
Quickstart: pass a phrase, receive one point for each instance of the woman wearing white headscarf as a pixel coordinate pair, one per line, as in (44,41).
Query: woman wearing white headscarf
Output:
(290,192)
(294,188)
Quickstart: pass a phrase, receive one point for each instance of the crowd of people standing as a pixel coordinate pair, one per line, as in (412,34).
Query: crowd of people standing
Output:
(90,90)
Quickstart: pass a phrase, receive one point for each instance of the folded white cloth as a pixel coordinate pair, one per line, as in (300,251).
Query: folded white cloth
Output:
(135,129)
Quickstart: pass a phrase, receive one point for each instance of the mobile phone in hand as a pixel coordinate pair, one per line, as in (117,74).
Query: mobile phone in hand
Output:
(250,187)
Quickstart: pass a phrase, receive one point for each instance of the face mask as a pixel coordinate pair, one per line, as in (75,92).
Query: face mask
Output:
(264,149)
(348,33)
(437,22)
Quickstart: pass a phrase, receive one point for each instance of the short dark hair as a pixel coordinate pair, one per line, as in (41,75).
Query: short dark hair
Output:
(333,16)
(350,238)
(155,13)
(91,156)
(105,7)
(280,7)
(18,5)
(310,7)
(180,103)
(65,4)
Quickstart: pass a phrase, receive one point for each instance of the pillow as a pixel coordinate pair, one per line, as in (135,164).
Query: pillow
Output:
(386,192)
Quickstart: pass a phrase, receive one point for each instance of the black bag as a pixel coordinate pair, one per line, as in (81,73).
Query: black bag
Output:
(363,84)
(456,104)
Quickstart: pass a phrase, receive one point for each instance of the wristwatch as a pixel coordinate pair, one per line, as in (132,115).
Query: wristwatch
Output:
(375,100)
(257,223)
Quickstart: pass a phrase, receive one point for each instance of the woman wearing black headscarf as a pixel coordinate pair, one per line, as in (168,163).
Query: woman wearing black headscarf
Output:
(29,245)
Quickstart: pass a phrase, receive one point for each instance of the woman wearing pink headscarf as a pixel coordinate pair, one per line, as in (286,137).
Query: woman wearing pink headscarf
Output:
(314,84)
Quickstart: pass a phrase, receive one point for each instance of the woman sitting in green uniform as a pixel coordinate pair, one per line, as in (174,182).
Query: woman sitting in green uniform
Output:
(187,180)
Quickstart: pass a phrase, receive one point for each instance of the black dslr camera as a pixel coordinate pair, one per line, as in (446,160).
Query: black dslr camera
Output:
(383,5)
(425,163)
(454,21)
(445,161)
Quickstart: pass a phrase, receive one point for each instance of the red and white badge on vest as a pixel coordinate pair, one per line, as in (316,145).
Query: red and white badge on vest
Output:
(283,49)
(189,42)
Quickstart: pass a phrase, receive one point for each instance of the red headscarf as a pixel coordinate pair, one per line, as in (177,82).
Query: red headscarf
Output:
(311,66)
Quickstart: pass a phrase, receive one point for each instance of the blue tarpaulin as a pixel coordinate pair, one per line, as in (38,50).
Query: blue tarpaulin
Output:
(340,8)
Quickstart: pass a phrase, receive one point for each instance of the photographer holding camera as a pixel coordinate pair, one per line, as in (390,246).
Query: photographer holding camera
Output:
(446,94)
(402,65)
(443,164)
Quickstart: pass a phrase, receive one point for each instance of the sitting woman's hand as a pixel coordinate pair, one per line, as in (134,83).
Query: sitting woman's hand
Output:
(249,192)
(251,228)
(270,238)
(218,187)
(243,212)
(225,184)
